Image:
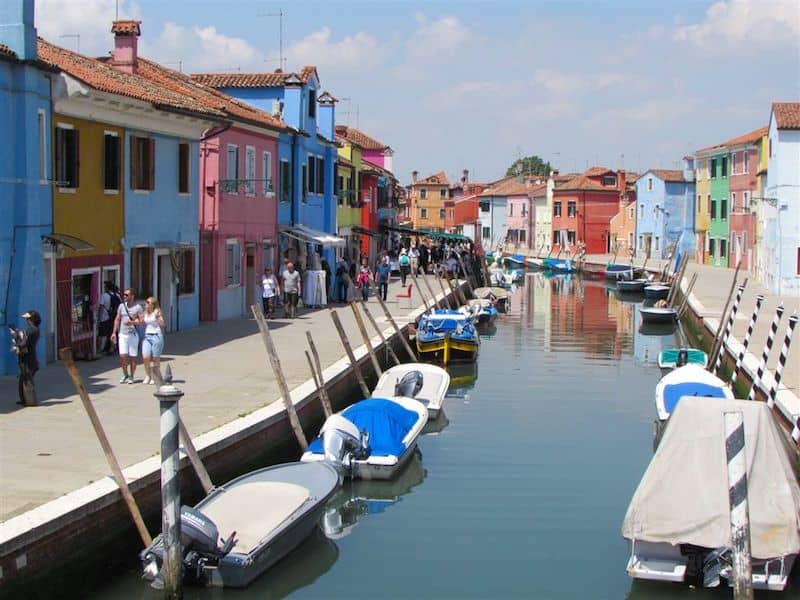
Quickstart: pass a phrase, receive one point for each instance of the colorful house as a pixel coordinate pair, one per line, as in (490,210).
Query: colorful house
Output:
(427,198)
(716,248)
(743,187)
(781,200)
(702,214)
(493,213)
(348,212)
(126,161)
(665,214)
(28,245)
(760,268)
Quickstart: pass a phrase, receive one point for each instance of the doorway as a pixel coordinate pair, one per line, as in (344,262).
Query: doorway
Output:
(249,277)
(50,306)
(164,287)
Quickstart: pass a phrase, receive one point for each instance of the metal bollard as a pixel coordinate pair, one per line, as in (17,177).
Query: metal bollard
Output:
(168,396)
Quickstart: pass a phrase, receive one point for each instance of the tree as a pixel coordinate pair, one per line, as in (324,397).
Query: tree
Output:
(530,165)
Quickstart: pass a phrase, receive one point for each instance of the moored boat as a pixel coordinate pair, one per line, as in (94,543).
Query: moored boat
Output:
(514,261)
(498,295)
(656,291)
(425,382)
(633,286)
(655,315)
(483,310)
(447,336)
(687,380)
(671,358)
(244,527)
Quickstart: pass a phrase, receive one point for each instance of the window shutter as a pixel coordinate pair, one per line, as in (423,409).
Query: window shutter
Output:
(77,163)
(151,151)
(134,163)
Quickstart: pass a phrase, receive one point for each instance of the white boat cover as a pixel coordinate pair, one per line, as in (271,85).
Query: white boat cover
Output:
(683,495)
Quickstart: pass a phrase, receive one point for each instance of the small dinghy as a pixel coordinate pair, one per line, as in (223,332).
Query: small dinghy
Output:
(499,296)
(446,336)
(372,439)
(634,286)
(688,380)
(483,310)
(244,527)
(656,291)
(423,382)
(657,315)
(514,261)
(677,357)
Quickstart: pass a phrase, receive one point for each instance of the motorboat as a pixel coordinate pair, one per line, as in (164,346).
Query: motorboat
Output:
(656,291)
(514,261)
(688,380)
(613,271)
(506,279)
(427,383)
(373,438)
(557,265)
(677,357)
(632,286)
(446,336)
(499,296)
(483,310)
(242,528)
(678,521)
(655,315)
(534,263)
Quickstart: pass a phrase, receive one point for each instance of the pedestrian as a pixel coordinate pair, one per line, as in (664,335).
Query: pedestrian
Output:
(424,258)
(129,316)
(328,281)
(292,288)
(364,276)
(413,256)
(106,313)
(24,346)
(269,291)
(153,342)
(342,269)
(405,266)
(384,271)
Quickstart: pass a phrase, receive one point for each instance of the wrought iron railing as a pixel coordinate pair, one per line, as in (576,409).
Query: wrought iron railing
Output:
(246,186)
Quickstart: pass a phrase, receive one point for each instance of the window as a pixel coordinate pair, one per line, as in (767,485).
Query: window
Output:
(340,188)
(42,133)
(67,162)
(250,169)
(745,162)
(724,167)
(649,184)
(484,206)
(733,202)
(320,175)
(733,163)
(723,209)
(713,209)
(632,211)
(486,233)
(655,246)
(111,161)
(746,201)
(572,208)
(233,263)
(522,236)
(183,168)
(442,192)
(441,213)
(524,210)
(423,193)
(571,238)
(641,211)
(713,168)
(630,240)
(304,179)
(185,260)
(233,166)
(641,242)
(723,248)
(556,209)
(312,174)
(710,206)
(423,213)
(312,103)
(609,180)
(266,170)
(510,210)
(698,208)
(286,182)
(142,271)
(143,164)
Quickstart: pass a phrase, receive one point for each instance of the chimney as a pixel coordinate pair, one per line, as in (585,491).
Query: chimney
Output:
(326,115)
(126,41)
(465,176)
(16,28)
(414,176)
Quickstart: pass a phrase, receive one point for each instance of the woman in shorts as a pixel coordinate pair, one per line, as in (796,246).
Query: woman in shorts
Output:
(153,342)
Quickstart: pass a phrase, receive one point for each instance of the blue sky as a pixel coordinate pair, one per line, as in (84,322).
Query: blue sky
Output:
(454,85)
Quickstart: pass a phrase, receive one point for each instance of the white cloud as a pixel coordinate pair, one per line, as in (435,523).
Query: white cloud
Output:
(351,52)
(562,83)
(434,38)
(739,21)
(89,19)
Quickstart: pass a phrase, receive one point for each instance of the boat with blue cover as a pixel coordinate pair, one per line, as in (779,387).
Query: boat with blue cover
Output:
(447,336)
(688,380)
(558,265)
(373,438)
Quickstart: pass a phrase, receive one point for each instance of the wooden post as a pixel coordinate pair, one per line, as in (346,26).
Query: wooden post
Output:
(762,366)
(466,274)
(712,356)
(675,284)
(728,328)
(446,298)
(351,357)
(66,357)
(746,342)
(682,308)
(377,328)
(487,281)
(188,444)
(456,285)
(326,401)
(737,498)
(319,385)
(397,331)
(434,303)
(275,363)
(365,336)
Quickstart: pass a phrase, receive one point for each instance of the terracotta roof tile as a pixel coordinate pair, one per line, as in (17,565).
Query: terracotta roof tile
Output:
(251,80)
(595,171)
(6,51)
(748,138)
(666,175)
(105,78)
(508,186)
(359,138)
(441,177)
(582,183)
(126,27)
(787,114)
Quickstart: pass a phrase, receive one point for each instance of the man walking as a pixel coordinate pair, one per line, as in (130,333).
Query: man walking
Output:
(129,315)
(25,349)
(384,270)
(292,288)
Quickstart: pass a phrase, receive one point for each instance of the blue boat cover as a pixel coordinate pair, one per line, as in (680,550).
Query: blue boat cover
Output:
(442,322)
(386,422)
(674,392)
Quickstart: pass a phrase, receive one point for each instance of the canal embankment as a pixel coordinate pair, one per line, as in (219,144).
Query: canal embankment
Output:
(59,505)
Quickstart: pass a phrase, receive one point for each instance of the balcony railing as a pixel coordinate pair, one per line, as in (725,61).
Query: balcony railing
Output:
(246,186)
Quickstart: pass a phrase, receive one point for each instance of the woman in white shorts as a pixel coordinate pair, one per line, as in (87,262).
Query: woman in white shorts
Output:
(129,315)
(153,342)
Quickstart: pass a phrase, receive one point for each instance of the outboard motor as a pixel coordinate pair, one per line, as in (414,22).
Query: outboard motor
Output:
(683,358)
(342,442)
(409,385)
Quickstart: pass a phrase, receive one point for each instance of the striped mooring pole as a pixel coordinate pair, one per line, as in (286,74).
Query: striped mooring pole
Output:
(765,354)
(746,342)
(737,498)
(728,328)
(168,396)
(787,341)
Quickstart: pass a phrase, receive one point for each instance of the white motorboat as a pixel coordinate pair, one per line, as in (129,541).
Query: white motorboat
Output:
(689,380)
(678,521)
(433,384)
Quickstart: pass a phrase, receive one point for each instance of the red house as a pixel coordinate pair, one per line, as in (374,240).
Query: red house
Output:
(743,187)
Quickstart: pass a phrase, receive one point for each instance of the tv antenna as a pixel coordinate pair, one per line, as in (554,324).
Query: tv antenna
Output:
(279,14)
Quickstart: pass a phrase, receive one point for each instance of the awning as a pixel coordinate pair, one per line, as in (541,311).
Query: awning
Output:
(69,241)
(313,236)
(365,231)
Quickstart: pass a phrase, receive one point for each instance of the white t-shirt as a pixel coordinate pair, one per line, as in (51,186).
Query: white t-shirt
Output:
(128,314)
(269,286)
(105,307)
(151,322)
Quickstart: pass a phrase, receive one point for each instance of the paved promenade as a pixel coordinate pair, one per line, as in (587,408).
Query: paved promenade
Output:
(51,449)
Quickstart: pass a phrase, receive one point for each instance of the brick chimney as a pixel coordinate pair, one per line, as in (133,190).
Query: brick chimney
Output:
(17,30)
(414,176)
(126,42)
(465,176)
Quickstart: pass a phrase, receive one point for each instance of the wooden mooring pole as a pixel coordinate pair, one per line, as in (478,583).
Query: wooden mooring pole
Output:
(762,366)
(275,363)
(434,303)
(712,356)
(746,342)
(686,295)
(446,297)
(350,356)
(376,327)
(365,336)
(65,354)
(467,276)
(323,394)
(737,497)
(728,328)
(397,331)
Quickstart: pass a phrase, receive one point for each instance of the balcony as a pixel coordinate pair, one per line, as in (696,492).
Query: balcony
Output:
(246,187)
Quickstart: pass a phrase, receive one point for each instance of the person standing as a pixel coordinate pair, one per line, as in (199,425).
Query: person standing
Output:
(342,269)
(106,313)
(129,315)
(405,266)
(292,288)
(269,291)
(384,270)
(153,342)
(413,256)
(25,349)
(364,276)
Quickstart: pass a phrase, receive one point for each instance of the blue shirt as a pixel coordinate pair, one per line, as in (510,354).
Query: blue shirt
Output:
(383,272)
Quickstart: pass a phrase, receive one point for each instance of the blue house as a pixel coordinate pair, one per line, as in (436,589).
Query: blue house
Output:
(27,270)
(665,212)
(306,153)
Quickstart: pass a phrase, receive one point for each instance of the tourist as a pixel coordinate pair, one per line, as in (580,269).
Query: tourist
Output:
(25,349)
(364,275)
(129,315)
(106,313)
(342,269)
(292,288)
(405,265)
(153,342)
(384,271)
(413,256)
(269,291)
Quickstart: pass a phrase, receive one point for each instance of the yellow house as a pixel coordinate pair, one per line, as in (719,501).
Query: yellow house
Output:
(427,201)
(759,265)
(702,217)
(348,209)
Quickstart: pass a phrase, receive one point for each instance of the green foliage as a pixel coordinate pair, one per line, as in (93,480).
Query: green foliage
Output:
(529,165)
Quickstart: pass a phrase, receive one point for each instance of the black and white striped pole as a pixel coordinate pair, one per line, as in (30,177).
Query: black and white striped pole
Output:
(168,396)
(728,328)
(765,354)
(737,497)
(776,380)
(746,342)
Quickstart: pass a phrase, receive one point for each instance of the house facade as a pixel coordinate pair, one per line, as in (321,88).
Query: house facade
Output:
(716,227)
(426,201)
(702,215)
(27,252)
(743,187)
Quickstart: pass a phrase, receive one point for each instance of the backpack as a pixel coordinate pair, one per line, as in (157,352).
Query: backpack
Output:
(115,302)
(403,260)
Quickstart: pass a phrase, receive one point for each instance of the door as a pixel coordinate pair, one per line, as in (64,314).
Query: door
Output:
(249,278)
(164,288)
(648,244)
(50,307)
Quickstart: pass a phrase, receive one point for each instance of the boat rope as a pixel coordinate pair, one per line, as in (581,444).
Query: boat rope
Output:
(746,342)
(765,354)
(728,328)
(787,341)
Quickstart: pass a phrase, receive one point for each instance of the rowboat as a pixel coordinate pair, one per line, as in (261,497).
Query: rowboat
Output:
(677,357)
(515,261)
(498,295)
(633,286)
(658,315)
(446,336)
(656,291)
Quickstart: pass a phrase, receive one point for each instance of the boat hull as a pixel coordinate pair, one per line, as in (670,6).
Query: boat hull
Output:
(448,350)
(658,316)
(656,291)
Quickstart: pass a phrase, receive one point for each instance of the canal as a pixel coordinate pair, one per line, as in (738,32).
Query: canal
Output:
(519,491)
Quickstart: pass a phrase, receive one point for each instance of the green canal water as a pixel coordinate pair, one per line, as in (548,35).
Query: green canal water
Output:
(519,491)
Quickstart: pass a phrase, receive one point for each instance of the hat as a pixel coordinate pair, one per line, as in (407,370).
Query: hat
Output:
(33,316)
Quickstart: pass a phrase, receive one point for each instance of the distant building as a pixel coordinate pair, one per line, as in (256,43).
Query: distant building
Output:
(426,201)
(743,187)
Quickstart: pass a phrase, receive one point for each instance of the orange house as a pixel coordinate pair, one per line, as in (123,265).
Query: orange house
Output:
(427,201)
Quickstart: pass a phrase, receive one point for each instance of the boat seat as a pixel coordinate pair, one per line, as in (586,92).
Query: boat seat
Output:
(253,510)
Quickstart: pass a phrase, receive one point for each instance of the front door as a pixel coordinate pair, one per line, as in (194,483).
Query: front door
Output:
(164,289)
(249,278)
